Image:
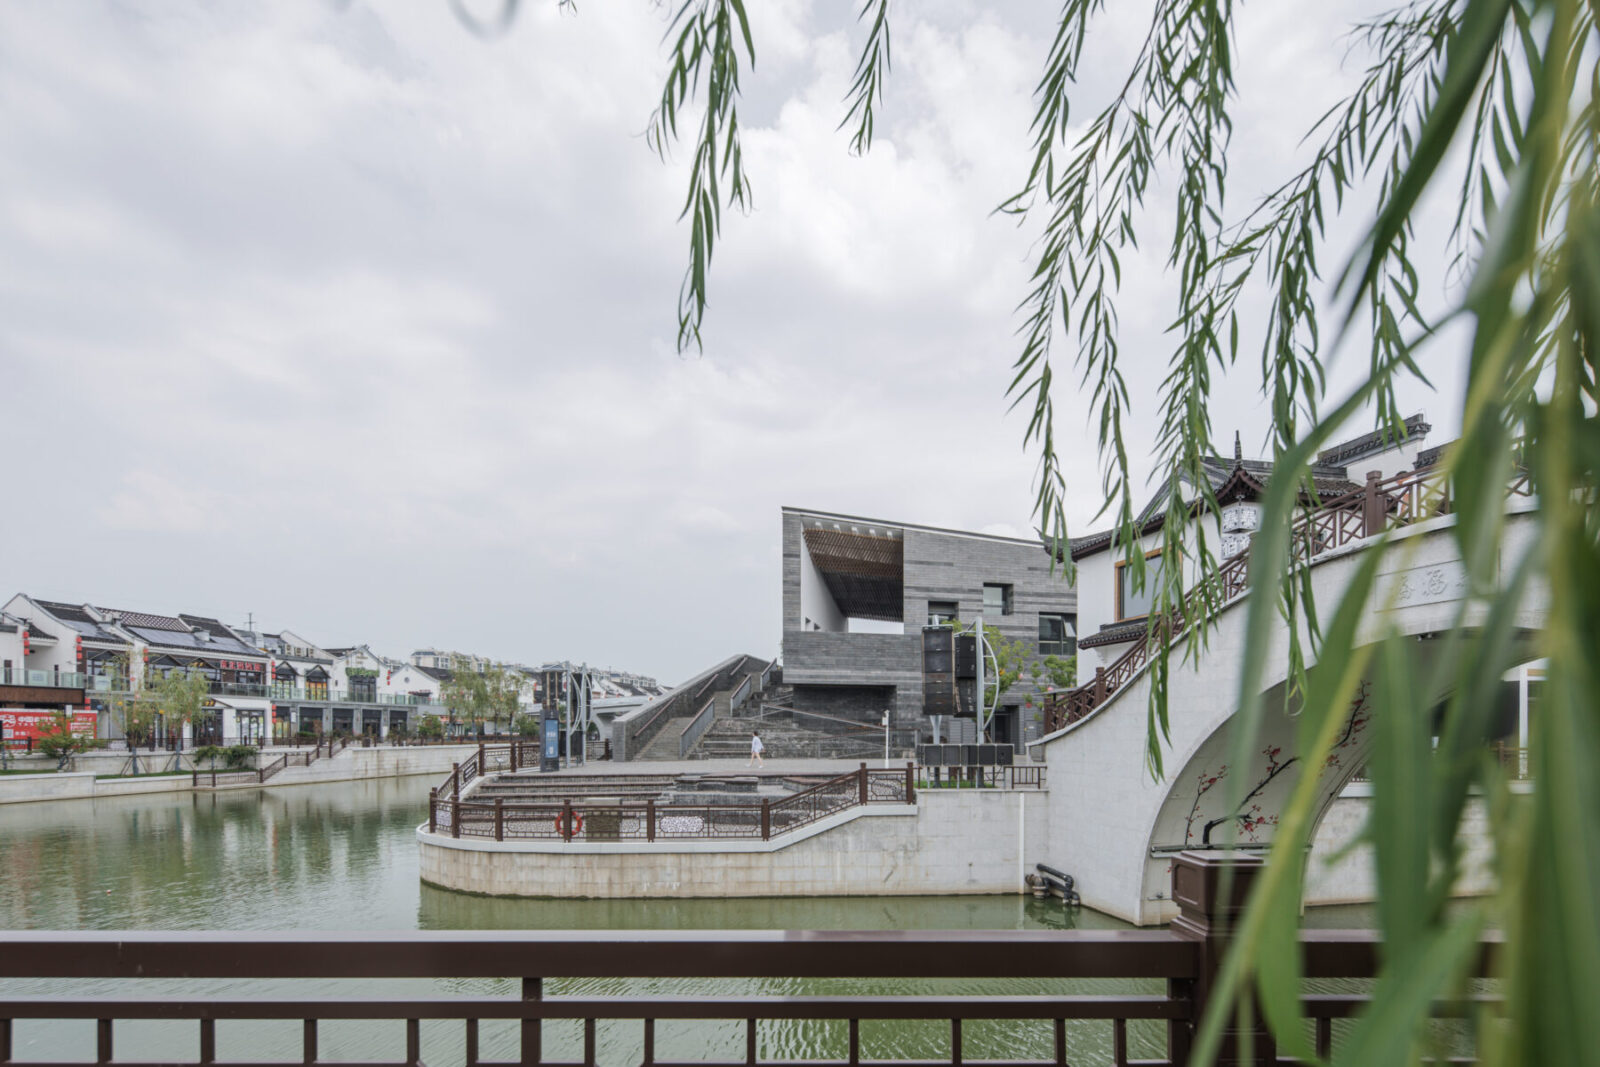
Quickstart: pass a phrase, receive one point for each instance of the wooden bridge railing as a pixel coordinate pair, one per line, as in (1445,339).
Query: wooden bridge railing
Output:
(1179,965)
(1381,504)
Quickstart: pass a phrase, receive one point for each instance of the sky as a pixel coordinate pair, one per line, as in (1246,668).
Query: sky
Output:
(339,317)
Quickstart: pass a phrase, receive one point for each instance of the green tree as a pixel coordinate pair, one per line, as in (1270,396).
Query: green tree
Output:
(1491,104)
(1056,672)
(503,692)
(466,693)
(430,726)
(57,740)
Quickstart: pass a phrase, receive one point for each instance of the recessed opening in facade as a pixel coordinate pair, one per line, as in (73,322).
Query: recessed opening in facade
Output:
(852,578)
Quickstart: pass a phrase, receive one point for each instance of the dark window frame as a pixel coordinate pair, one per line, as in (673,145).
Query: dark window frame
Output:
(1149,586)
(1007,597)
(1068,644)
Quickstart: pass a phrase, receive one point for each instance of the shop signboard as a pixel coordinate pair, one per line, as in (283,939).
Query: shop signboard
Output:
(23,724)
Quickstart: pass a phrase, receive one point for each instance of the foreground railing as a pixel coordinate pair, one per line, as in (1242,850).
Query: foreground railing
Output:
(567,820)
(1177,967)
(1406,498)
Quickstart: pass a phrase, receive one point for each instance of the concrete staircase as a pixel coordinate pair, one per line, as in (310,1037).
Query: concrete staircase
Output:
(729,738)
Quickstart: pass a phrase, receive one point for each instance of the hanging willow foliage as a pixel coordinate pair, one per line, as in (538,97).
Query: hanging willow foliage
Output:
(1494,101)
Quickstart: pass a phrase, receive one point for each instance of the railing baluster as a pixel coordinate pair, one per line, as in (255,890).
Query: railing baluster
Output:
(955,1042)
(750,1042)
(588,1043)
(532,1045)
(208,1041)
(1119,1042)
(309,1042)
(103,1041)
(413,1043)
(5,1040)
(1061,1042)
(1324,1037)
(472,1043)
(649,1043)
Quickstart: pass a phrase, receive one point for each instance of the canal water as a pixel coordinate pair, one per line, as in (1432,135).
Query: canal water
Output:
(344,857)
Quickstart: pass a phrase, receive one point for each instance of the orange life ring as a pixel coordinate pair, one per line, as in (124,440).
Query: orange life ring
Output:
(577,824)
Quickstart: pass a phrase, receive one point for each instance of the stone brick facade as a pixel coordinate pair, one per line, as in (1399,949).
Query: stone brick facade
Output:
(829,667)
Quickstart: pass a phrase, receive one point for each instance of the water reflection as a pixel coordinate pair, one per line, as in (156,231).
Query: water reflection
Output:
(344,856)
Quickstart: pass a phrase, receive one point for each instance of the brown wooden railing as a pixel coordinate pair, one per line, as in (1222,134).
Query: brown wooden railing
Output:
(575,819)
(1184,957)
(1406,498)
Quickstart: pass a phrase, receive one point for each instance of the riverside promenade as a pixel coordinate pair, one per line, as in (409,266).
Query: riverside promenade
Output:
(295,766)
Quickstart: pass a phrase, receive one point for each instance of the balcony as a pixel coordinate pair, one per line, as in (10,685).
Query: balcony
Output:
(43,679)
(295,695)
(236,689)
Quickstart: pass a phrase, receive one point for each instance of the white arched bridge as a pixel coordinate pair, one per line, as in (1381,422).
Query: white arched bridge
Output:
(1115,828)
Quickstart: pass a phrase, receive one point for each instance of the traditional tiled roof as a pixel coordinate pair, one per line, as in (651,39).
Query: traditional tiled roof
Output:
(80,620)
(1114,634)
(1371,443)
(34,631)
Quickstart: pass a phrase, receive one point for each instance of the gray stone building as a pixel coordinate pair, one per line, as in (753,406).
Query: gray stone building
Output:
(857,593)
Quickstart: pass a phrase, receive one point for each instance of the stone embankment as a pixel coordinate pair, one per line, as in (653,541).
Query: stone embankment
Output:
(351,764)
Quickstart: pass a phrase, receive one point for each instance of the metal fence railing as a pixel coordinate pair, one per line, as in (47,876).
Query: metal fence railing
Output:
(610,820)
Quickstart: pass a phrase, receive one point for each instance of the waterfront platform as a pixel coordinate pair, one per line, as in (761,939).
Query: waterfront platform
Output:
(719,828)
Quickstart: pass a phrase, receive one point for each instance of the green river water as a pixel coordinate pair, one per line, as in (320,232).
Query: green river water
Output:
(344,857)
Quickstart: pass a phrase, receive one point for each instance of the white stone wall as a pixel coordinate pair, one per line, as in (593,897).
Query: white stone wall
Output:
(961,841)
(1337,876)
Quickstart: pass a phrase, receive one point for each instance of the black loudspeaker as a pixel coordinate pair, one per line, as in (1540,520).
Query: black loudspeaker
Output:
(938,684)
(966,698)
(966,655)
(969,755)
(952,755)
(1003,755)
(986,755)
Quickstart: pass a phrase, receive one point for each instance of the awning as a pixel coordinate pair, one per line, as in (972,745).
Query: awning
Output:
(864,572)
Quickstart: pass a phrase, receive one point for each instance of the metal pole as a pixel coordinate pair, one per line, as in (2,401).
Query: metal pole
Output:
(886,738)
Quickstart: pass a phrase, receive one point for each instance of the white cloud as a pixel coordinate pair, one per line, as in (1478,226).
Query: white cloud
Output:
(343,316)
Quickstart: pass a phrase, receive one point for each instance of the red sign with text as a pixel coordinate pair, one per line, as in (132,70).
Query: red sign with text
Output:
(22,725)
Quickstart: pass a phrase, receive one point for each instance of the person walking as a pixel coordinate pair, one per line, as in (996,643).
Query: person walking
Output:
(756,748)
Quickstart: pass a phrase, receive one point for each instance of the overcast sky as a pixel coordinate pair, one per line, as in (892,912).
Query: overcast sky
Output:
(337,314)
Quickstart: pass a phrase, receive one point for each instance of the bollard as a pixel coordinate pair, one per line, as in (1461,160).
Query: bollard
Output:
(911,782)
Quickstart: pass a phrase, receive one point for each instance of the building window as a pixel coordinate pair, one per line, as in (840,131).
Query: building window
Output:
(1135,604)
(943,611)
(996,599)
(1058,635)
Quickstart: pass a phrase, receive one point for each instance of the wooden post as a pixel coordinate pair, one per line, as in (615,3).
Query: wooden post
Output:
(1099,686)
(433,810)
(1372,518)
(566,819)
(482,766)
(513,757)
(766,818)
(1208,917)
(499,818)
(911,782)
(455,780)
(861,777)
(455,817)
(650,819)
